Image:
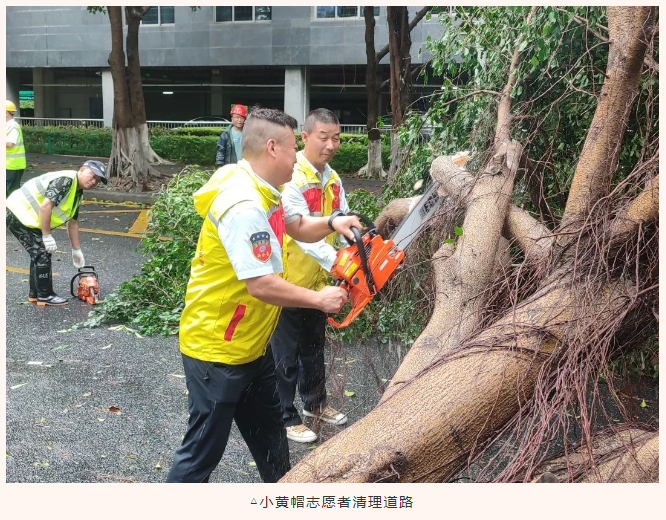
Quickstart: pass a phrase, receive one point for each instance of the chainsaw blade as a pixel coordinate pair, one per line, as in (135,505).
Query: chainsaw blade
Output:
(417,219)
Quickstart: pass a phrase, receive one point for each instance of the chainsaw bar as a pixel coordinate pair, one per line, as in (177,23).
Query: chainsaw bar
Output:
(412,225)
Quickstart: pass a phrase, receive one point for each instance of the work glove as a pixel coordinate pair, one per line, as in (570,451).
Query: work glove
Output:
(77,258)
(49,244)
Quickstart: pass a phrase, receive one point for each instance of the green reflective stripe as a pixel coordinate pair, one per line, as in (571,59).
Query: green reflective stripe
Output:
(28,196)
(213,219)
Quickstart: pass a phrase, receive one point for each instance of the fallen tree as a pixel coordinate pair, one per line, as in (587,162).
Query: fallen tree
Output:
(513,347)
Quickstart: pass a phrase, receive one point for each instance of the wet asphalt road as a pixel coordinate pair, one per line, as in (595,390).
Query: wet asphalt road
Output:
(61,383)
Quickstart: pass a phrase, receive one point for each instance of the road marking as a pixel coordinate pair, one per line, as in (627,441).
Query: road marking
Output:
(141,222)
(113,211)
(22,271)
(121,204)
(105,232)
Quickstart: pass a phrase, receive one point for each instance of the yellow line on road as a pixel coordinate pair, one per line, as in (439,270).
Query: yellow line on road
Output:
(138,210)
(141,223)
(21,270)
(105,232)
(121,204)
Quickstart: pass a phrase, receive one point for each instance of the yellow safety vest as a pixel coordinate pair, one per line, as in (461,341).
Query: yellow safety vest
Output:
(16,154)
(221,321)
(305,271)
(24,203)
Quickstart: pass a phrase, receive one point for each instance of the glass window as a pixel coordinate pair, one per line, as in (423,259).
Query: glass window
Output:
(325,12)
(243,13)
(342,11)
(347,12)
(223,14)
(263,13)
(159,15)
(167,15)
(151,17)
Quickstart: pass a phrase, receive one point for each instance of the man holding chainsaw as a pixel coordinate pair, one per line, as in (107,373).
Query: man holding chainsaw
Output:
(42,204)
(236,289)
(298,340)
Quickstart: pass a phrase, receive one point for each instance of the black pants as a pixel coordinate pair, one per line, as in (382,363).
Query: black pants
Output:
(218,394)
(41,283)
(298,349)
(13,178)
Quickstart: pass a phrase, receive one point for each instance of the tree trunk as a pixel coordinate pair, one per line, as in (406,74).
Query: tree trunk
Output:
(400,44)
(466,377)
(130,150)
(134,16)
(373,169)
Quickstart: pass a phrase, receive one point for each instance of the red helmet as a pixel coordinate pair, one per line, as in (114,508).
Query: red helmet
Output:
(239,110)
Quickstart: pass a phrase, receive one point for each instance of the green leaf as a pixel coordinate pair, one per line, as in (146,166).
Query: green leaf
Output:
(349,393)
(253,464)
(449,241)
(643,404)
(60,347)
(458,231)
(17,386)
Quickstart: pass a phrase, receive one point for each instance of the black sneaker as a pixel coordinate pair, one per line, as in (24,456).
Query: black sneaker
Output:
(52,300)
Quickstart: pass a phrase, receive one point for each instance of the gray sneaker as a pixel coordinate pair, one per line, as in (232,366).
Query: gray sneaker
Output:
(300,433)
(329,415)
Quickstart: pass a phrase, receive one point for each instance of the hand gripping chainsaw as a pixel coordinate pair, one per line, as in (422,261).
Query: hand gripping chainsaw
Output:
(362,271)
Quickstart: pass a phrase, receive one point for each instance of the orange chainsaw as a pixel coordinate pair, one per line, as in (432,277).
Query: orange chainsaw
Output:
(364,267)
(87,289)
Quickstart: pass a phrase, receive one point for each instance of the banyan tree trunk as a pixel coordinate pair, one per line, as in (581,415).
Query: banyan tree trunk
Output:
(461,382)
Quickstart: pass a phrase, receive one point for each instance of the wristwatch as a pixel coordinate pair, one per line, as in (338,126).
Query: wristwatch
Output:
(336,213)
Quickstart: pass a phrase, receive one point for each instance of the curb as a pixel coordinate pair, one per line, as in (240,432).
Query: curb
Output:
(120,196)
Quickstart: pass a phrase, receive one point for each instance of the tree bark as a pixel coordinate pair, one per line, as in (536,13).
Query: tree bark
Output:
(460,384)
(628,455)
(400,64)
(629,31)
(131,153)
(373,169)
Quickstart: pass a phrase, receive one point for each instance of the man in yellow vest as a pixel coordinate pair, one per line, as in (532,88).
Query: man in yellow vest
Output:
(42,204)
(298,341)
(233,300)
(15,159)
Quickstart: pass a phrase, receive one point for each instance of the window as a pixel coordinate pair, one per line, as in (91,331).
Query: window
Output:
(246,13)
(322,12)
(159,16)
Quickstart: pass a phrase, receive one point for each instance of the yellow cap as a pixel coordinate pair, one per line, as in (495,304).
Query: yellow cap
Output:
(9,106)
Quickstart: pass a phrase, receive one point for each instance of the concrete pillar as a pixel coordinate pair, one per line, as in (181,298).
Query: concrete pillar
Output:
(12,91)
(44,95)
(217,107)
(297,92)
(107,97)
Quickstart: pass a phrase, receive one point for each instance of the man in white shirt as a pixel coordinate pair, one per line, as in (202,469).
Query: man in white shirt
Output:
(298,341)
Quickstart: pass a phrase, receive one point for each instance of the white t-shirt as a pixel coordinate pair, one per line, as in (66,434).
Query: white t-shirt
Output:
(12,130)
(240,230)
(295,205)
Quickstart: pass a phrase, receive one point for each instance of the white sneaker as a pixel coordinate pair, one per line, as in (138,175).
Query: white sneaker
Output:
(329,415)
(300,433)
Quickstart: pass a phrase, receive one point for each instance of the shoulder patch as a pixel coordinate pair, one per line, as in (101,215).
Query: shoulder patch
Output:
(261,245)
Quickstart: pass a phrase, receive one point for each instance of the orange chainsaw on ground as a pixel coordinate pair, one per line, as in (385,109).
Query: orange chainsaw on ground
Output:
(87,289)
(364,267)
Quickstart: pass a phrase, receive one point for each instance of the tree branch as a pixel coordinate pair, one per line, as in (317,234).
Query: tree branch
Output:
(643,209)
(417,18)
(629,28)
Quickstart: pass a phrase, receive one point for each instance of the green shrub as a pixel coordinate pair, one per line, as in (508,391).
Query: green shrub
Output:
(186,149)
(183,145)
(68,140)
(364,202)
(153,301)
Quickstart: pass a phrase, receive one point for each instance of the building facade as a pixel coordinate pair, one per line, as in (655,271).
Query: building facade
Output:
(198,62)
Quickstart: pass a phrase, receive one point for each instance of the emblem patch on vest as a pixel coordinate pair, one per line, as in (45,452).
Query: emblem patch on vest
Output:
(261,245)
